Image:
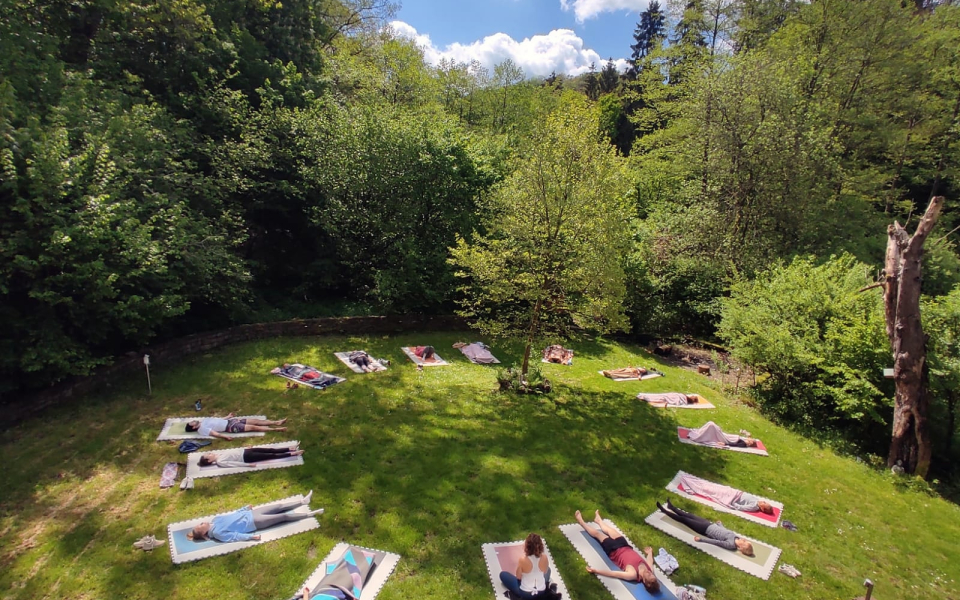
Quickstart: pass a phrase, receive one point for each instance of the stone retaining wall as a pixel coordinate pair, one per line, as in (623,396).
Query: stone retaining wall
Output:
(174,350)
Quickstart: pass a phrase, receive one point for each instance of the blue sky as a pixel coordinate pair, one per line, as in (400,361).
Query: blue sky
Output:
(539,35)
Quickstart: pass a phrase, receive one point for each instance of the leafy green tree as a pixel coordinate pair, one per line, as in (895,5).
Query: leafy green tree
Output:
(817,342)
(941,318)
(550,259)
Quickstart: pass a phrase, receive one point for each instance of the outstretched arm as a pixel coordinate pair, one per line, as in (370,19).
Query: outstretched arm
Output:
(630,575)
(217,434)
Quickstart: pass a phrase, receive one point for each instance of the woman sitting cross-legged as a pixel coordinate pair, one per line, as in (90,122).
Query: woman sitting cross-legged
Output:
(246,457)
(715,533)
(242,525)
(533,570)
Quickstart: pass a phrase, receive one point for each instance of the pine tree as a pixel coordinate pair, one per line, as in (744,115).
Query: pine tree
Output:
(592,83)
(688,43)
(649,35)
(609,77)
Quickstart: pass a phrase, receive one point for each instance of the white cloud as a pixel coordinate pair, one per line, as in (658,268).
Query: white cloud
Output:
(561,51)
(587,9)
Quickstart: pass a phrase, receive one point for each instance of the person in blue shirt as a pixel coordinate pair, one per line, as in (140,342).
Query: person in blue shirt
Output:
(242,525)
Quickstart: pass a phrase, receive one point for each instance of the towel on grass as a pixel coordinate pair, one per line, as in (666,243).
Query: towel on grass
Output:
(721,497)
(760,565)
(176,429)
(675,400)
(479,353)
(184,550)
(630,374)
(590,549)
(505,556)
(307,375)
(169,475)
(346,358)
(412,355)
(195,471)
(557,354)
(354,571)
(684,434)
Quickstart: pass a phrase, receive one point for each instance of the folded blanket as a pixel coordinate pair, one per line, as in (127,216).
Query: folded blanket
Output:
(307,375)
(479,353)
(724,498)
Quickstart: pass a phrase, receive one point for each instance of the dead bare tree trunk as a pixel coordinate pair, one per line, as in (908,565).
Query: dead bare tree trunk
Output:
(910,444)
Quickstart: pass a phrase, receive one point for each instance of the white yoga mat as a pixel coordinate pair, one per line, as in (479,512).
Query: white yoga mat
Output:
(701,403)
(195,471)
(511,552)
(760,565)
(173,429)
(183,550)
(344,358)
(763,519)
(439,362)
(374,583)
(590,549)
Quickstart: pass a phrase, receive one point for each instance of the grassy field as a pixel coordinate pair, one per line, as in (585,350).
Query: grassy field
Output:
(433,466)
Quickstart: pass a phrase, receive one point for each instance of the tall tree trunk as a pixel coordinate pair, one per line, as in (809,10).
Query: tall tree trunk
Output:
(531,335)
(910,444)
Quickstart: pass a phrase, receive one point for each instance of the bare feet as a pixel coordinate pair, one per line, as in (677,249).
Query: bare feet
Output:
(279,428)
(297,453)
(580,519)
(280,422)
(597,518)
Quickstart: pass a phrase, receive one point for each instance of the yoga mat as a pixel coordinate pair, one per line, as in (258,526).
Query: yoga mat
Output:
(437,363)
(378,577)
(683,432)
(757,517)
(760,565)
(175,429)
(343,356)
(700,403)
(644,378)
(310,383)
(196,471)
(590,550)
(183,550)
(504,556)
(470,358)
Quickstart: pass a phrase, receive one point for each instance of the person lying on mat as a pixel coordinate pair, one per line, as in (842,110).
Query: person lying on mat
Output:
(425,353)
(533,570)
(628,373)
(557,354)
(710,433)
(715,533)
(246,457)
(633,567)
(672,398)
(362,360)
(213,426)
(725,496)
(241,525)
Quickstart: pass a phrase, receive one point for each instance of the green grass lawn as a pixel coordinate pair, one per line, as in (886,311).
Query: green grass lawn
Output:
(432,467)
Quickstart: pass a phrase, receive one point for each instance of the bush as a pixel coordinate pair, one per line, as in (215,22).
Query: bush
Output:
(510,379)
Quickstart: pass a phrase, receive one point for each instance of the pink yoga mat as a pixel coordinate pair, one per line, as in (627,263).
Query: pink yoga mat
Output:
(760,515)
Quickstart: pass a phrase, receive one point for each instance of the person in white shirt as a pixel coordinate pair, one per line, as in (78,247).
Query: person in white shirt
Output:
(533,570)
(216,426)
(246,457)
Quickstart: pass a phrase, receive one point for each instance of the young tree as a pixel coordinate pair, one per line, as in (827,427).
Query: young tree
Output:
(505,75)
(609,77)
(649,35)
(550,260)
(592,83)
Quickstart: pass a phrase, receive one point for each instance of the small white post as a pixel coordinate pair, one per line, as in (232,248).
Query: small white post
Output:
(146,363)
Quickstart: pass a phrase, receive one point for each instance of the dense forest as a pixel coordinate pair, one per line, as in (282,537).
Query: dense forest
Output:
(169,167)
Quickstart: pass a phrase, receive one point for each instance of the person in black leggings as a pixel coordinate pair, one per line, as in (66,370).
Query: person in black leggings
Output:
(246,457)
(715,533)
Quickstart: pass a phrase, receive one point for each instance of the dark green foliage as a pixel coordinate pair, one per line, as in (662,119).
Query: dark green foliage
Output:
(648,36)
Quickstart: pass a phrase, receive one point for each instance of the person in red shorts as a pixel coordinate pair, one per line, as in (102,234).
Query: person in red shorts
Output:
(633,567)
